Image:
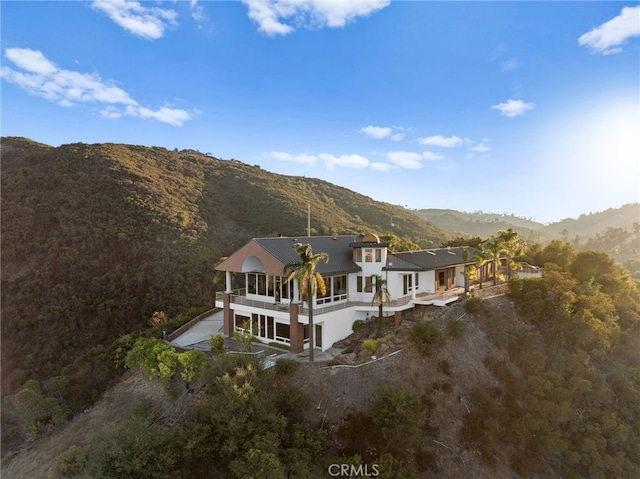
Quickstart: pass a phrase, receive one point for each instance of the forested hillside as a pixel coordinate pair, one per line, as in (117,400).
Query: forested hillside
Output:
(615,231)
(96,238)
(541,382)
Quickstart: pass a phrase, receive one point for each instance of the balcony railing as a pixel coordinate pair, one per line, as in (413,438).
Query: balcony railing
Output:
(238,296)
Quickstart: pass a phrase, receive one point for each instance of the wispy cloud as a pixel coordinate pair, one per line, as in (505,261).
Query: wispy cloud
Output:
(330,161)
(481,148)
(380,166)
(271,15)
(439,140)
(509,65)
(513,108)
(381,132)
(405,159)
(145,22)
(41,77)
(428,155)
(377,132)
(411,159)
(607,38)
(197,12)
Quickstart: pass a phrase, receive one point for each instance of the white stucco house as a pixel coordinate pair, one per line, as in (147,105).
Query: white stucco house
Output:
(271,306)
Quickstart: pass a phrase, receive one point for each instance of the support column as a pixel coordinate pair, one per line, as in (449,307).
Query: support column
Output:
(296,330)
(397,318)
(227,314)
(228,281)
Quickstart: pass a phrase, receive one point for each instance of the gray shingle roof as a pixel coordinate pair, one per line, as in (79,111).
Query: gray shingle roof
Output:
(336,247)
(424,260)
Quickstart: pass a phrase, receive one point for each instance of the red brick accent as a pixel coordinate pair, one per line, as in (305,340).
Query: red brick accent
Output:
(296,330)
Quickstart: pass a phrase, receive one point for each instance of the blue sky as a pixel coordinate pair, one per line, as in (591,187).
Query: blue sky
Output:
(531,108)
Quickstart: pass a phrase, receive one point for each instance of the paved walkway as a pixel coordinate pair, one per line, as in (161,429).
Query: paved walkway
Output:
(200,332)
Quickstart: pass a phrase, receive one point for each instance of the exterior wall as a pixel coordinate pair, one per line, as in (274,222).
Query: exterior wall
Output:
(336,325)
(460,276)
(428,282)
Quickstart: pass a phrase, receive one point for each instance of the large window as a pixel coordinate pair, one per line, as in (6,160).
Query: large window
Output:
(264,285)
(378,255)
(336,289)
(358,255)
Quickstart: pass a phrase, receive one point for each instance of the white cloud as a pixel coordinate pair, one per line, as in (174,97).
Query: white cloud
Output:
(607,38)
(428,155)
(146,22)
(67,88)
(330,161)
(377,132)
(379,166)
(347,161)
(481,148)
(512,108)
(405,159)
(380,132)
(271,14)
(440,140)
(303,158)
(197,12)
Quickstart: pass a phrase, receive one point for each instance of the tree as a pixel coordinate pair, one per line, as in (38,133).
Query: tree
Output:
(465,260)
(309,281)
(512,245)
(380,293)
(494,247)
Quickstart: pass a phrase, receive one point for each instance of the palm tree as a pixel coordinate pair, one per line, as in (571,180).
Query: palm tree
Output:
(480,256)
(512,244)
(380,293)
(309,281)
(465,260)
(494,248)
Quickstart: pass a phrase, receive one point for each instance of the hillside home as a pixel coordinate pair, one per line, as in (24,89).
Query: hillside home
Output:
(272,309)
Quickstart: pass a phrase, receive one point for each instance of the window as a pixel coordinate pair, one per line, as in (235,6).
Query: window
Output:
(251,283)
(340,285)
(358,255)
(417,280)
(282,333)
(366,287)
(241,321)
(407,287)
(378,255)
(368,284)
(368,256)
(336,289)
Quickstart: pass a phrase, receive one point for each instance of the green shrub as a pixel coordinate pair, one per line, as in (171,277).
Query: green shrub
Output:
(374,344)
(426,336)
(71,462)
(399,413)
(358,324)
(473,305)
(286,365)
(370,344)
(217,344)
(456,328)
